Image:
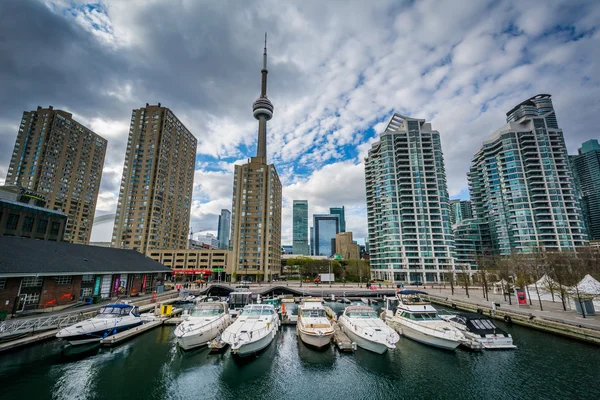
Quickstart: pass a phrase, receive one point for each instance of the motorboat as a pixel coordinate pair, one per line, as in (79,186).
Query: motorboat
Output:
(410,312)
(362,325)
(253,330)
(205,322)
(208,299)
(313,326)
(480,329)
(238,300)
(110,319)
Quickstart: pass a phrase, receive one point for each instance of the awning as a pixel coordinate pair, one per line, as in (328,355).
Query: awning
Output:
(192,271)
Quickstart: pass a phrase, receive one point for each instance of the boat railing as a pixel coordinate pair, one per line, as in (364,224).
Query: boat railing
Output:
(19,326)
(444,332)
(371,331)
(247,336)
(207,325)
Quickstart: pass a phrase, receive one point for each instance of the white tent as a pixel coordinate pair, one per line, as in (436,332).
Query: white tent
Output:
(543,287)
(588,286)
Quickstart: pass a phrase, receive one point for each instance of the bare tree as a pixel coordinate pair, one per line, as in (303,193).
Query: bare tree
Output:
(464,274)
(505,271)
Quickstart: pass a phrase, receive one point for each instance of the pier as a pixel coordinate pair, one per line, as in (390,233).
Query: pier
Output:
(341,340)
(114,340)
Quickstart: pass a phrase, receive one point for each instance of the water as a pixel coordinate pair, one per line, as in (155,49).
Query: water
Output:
(150,366)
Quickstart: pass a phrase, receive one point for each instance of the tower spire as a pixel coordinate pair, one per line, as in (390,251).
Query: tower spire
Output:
(263,109)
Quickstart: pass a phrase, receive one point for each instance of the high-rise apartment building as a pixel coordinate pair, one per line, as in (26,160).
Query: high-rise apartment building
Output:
(471,241)
(62,159)
(410,238)
(459,211)
(155,198)
(256,217)
(340,211)
(223,229)
(586,169)
(521,184)
(326,227)
(300,227)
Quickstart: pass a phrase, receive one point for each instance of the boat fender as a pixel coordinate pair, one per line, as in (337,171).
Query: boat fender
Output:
(479,311)
(507,319)
(454,306)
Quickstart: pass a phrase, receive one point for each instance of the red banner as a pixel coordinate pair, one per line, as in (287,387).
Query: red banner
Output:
(192,271)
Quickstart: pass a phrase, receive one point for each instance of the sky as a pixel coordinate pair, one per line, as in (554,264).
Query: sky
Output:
(338,70)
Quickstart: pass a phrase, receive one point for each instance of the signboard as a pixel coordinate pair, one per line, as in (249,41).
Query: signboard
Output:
(218,269)
(337,256)
(97,286)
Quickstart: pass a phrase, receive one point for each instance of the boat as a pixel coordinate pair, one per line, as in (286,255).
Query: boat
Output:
(110,319)
(238,300)
(253,330)
(313,327)
(365,300)
(206,321)
(208,299)
(480,329)
(411,312)
(362,326)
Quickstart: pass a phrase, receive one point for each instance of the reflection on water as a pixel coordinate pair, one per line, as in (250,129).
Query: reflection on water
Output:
(151,366)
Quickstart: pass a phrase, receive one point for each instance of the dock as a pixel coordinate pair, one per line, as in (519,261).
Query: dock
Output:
(113,340)
(341,340)
(30,339)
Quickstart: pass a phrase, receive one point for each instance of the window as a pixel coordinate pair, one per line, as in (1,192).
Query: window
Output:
(87,278)
(31,281)
(64,280)
(12,221)
(55,227)
(2,283)
(33,298)
(86,292)
(27,224)
(42,226)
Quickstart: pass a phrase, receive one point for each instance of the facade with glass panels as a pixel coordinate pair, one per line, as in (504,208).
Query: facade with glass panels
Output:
(326,227)
(300,227)
(471,240)
(459,211)
(521,184)
(586,169)
(223,229)
(410,238)
(340,211)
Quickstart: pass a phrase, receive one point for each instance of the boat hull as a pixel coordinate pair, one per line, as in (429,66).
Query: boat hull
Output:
(254,347)
(314,340)
(363,343)
(430,340)
(201,337)
(91,337)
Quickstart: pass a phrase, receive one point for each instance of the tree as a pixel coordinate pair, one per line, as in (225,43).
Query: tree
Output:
(505,272)
(449,277)
(485,265)
(464,274)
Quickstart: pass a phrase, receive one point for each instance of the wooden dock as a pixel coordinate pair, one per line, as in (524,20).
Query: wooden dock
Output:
(341,340)
(113,340)
(27,340)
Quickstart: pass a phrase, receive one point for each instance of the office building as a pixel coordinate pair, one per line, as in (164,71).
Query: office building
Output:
(153,211)
(410,238)
(459,211)
(346,247)
(256,210)
(193,264)
(312,241)
(342,215)
(521,184)
(205,241)
(223,229)
(326,226)
(300,227)
(58,157)
(586,170)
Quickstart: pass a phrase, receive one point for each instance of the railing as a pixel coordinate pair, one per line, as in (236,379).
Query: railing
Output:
(219,321)
(391,338)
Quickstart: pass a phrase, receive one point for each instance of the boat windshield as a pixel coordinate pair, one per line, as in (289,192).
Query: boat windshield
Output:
(484,324)
(207,311)
(313,313)
(420,316)
(112,312)
(257,311)
(362,314)
(419,298)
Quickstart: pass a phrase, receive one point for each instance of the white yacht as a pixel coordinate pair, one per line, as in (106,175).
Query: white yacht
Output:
(111,319)
(238,300)
(362,325)
(313,326)
(412,314)
(480,329)
(205,322)
(253,330)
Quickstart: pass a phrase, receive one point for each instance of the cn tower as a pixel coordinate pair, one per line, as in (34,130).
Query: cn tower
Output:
(263,109)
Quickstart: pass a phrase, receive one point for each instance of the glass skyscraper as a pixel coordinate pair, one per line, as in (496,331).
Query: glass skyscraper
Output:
(341,212)
(300,227)
(521,184)
(410,238)
(223,229)
(326,226)
(586,169)
(459,211)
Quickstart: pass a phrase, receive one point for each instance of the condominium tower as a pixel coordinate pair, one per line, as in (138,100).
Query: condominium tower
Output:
(223,229)
(459,211)
(256,211)
(410,237)
(521,184)
(63,160)
(586,169)
(155,198)
(341,212)
(300,227)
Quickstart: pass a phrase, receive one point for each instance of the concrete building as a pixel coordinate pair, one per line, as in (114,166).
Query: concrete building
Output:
(521,184)
(340,211)
(410,238)
(287,249)
(23,213)
(256,209)
(207,240)
(58,157)
(155,199)
(300,227)
(346,247)
(326,227)
(586,170)
(195,264)
(460,210)
(223,229)
(41,275)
